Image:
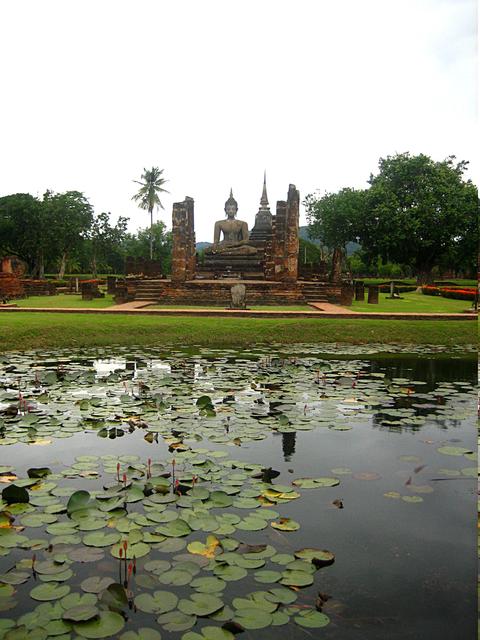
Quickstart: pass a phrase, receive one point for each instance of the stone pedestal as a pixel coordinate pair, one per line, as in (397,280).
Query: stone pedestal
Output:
(111,284)
(346,296)
(359,290)
(373,291)
(239,299)
(183,233)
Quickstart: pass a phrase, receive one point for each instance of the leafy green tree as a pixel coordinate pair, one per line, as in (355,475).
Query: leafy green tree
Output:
(136,245)
(105,240)
(27,230)
(151,185)
(71,216)
(334,219)
(418,211)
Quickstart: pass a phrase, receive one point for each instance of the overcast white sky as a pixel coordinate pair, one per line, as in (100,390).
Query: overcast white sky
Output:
(214,91)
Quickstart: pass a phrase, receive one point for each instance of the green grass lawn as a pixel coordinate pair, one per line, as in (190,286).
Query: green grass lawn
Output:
(413,302)
(413,281)
(21,331)
(65,300)
(298,307)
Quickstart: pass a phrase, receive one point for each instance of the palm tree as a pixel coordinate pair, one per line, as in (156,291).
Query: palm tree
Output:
(151,182)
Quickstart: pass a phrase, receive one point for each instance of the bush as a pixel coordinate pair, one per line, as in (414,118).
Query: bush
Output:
(455,293)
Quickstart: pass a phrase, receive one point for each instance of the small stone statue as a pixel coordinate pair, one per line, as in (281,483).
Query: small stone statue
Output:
(238,292)
(235,233)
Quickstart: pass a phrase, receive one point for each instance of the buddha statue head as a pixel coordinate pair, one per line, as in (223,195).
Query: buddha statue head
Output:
(231,206)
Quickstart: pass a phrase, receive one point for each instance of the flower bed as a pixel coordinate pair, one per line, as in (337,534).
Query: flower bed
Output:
(455,293)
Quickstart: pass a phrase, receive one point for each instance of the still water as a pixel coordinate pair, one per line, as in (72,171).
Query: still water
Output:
(390,441)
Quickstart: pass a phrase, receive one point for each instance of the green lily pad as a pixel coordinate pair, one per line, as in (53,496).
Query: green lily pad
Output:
(107,624)
(79,500)
(158,602)
(176,621)
(296,578)
(267,577)
(453,451)
(50,591)
(313,483)
(285,524)
(200,604)
(208,585)
(80,613)
(175,577)
(96,584)
(253,618)
(312,619)
(101,539)
(319,557)
(144,633)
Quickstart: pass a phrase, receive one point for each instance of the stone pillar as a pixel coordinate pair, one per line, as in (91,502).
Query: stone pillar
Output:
(111,284)
(336,275)
(269,262)
(360,290)
(183,236)
(346,295)
(373,294)
(291,236)
(191,253)
(279,240)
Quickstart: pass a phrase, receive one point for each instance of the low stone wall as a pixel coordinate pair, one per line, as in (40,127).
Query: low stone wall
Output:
(198,292)
(38,287)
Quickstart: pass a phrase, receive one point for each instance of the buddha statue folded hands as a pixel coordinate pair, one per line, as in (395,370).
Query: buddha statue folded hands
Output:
(235,234)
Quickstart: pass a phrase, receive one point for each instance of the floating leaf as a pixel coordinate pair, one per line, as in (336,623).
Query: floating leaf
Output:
(96,584)
(285,524)
(312,619)
(319,557)
(200,604)
(313,483)
(453,451)
(144,633)
(80,613)
(107,624)
(50,591)
(78,501)
(176,621)
(253,618)
(158,602)
(15,494)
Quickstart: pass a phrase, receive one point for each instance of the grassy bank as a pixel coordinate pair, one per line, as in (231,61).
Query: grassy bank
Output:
(21,331)
(412,302)
(67,301)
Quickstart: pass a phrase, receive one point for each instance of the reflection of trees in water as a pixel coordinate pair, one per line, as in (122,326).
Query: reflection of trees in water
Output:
(380,420)
(288,445)
(431,370)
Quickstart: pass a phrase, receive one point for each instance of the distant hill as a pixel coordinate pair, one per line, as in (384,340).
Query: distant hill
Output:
(202,245)
(303,233)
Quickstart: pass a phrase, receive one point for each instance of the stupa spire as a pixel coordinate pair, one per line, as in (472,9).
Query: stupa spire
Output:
(264,198)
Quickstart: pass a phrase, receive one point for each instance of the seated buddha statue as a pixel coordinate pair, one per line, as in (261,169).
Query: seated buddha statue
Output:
(235,234)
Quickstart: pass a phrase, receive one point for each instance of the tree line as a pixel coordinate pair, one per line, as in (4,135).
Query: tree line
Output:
(416,212)
(60,233)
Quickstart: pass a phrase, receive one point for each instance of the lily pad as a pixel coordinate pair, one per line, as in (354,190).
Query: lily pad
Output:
(158,602)
(50,591)
(312,619)
(313,483)
(200,604)
(108,623)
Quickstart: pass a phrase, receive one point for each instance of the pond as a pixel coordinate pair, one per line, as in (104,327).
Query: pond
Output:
(199,495)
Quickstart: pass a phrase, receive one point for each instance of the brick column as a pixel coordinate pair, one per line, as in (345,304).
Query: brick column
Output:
(279,241)
(191,256)
(291,235)
(179,242)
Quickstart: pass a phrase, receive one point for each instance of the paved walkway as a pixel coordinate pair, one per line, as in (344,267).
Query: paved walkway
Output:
(319,310)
